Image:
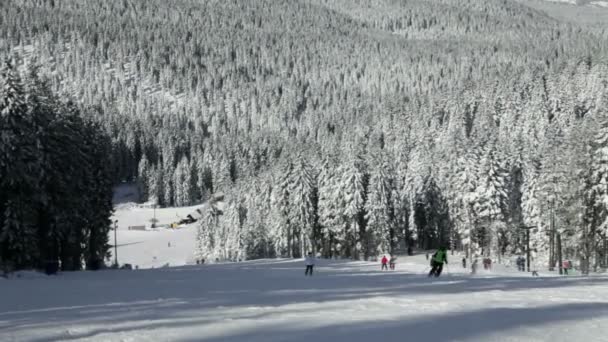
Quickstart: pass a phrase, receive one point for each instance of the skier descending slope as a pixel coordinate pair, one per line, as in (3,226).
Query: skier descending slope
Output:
(384,262)
(310,263)
(474,266)
(439,258)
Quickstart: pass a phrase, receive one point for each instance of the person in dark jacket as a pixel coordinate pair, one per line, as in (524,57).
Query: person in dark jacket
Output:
(474,266)
(392,262)
(310,264)
(521,263)
(439,258)
(464,262)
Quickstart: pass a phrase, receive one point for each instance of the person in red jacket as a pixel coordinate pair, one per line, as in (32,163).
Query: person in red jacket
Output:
(384,263)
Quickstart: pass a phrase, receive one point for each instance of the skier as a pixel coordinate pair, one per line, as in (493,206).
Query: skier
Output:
(464,262)
(521,263)
(474,266)
(310,263)
(566,266)
(392,262)
(384,263)
(487,264)
(427,255)
(439,258)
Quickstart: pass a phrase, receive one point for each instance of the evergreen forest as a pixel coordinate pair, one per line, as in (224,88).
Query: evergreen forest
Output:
(350,128)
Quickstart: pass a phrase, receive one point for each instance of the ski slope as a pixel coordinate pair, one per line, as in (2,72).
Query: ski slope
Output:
(271,300)
(152,248)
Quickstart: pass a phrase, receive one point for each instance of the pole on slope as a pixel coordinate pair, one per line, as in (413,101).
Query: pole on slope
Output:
(552,237)
(528,249)
(528,254)
(559,252)
(115,244)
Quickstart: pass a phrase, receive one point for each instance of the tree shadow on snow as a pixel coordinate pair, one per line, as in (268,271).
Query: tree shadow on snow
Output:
(447,327)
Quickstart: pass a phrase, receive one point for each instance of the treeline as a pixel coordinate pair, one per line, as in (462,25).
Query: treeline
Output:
(469,171)
(55,178)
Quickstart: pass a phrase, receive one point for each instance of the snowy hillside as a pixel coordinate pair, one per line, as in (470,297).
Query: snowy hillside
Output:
(271,300)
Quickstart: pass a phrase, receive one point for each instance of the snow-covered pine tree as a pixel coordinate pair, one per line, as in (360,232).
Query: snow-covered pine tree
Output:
(97,203)
(205,237)
(183,183)
(419,170)
(599,174)
(596,195)
(491,201)
(282,230)
(463,200)
(302,209)
(18,169)
(401,194)
(168,185)
(155,186)
(353,190)
(204,167)
(571,218)
(195,191)
(257,205)
(56,191)
(330,215)
(380,212)
(551,193)
(143,178)
(222,181)
(231,228)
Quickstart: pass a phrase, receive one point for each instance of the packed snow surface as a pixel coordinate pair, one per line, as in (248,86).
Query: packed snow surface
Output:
(157,247)
(272,300)
(154,247)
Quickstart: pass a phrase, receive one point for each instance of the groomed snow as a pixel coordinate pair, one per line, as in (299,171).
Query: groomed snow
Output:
(154,247)
(271,300)
(151,248)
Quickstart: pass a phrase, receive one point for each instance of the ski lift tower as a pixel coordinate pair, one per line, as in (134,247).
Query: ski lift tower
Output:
(115,244)
(527,229)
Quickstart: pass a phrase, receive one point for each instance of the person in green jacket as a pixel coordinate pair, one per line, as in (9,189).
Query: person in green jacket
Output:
(439,258)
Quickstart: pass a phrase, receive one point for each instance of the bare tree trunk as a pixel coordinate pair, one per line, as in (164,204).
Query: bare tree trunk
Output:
(586,251)
(597,258)
(302,243)
(528,254)
(551,243)
(289,242)
(605,248)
